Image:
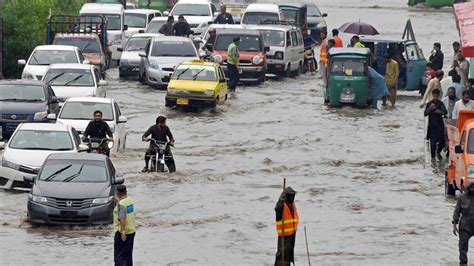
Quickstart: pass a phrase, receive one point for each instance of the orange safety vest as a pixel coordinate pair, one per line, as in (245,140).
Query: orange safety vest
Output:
(289,223)
(323,57)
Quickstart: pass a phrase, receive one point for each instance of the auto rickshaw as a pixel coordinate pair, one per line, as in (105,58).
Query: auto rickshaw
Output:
(348,77)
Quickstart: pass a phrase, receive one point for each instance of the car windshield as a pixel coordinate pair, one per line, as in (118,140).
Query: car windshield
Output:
(193,72)
(83,171)
(291,15)
(85,111)
(86,45)
(191,10)
(470,142)
(247,42)
(273,37)
(135,20)
(137,43)
(69,77)
(313,11)
(348,67)
(155,26)
(258,17)
(173,48)
(48,57)
(22,93)
(41,140)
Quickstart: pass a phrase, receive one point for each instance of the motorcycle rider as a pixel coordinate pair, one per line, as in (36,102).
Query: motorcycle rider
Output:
(160,132)
(98,128)
(309,43)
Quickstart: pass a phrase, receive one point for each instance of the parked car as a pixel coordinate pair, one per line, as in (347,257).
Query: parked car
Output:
(115,23)
(89,45)
(29,146)
(24,101)
(44,55)
(75,80)
(155,24)
(198,13)
(161,57)
(292,14)
(197,83)
(316,22)
(252,53)
(286,49)
(138,19)
(78,112)
(73,189)
(129,65)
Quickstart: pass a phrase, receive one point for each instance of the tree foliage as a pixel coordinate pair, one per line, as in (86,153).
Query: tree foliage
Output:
(24,26)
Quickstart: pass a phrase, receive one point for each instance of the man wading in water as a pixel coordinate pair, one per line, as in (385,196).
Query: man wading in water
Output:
(463,221)
(286,224)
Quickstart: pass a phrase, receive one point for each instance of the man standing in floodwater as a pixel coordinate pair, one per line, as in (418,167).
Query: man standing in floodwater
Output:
(124,227)
(463,221)
(286,224)
(435,110)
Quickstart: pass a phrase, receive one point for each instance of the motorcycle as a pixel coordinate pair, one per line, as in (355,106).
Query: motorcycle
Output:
(309,61)
(158,157)
(97,145)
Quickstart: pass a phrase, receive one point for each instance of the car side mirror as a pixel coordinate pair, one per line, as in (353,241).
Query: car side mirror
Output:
(125,27)
(325,15)
(51,117)
(102,82)
(122,119)
(142,54)
(141,31)
(54,99)
(2,145)
(266,49)
(458,149)
(120,49)
(29,179)
(166,13)
(82,148)
(119,180)
(22,62)
(222,80)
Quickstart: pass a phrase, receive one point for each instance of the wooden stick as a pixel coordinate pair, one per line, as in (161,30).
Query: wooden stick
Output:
(307,248)
(283,228)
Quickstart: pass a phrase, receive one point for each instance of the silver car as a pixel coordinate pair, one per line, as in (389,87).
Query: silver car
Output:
(129,64)
(162,56)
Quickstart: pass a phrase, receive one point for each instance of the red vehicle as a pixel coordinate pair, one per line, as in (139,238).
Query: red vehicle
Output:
(253,61)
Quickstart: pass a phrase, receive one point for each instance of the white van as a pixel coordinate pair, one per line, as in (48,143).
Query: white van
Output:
(198,13)
(293,14)
(286,55)
(115,24)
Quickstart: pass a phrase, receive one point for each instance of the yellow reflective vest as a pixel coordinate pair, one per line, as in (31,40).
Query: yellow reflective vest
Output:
(130,226)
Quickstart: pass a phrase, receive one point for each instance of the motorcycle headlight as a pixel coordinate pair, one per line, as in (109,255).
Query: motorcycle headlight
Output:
(110,144)
(8,164)
(124,62)
(217,59)
(38,199)
(279,55)
(100,201)
(40,116)
(153,64)
(257,60)
(209,93)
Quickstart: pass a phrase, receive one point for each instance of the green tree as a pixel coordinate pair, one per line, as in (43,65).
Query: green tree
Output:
(24,24)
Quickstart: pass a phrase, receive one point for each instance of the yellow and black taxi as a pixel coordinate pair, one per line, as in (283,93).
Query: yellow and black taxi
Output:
(197,83)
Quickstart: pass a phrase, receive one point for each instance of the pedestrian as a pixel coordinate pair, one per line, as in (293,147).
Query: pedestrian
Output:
(470,88)
(457,51)
(437,57)
(337,39)
(167,28)
(432,85)
(377,86)
(435,110)
(462,68)
(323,56)
(355,43)
(456,83)
(464,104)
(286,225)
(233,60)
(211,40)
(124,227)
(391,79)
(463,221)
(450,100)
(181,28)
(224,17)
(428,75)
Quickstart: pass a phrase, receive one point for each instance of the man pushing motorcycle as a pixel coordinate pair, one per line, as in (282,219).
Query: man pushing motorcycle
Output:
(162,133)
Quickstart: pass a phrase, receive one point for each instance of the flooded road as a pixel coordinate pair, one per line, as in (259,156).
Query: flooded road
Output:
(365,193)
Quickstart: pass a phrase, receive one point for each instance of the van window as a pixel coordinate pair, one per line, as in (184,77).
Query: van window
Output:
(214,9)
(300,37)
(293,38)
(288,39)
(259,17)
(273,37)
(114,22)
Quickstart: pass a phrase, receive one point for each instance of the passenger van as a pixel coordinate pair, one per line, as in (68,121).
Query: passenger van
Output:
(292,14)
(286,54)
(115,24)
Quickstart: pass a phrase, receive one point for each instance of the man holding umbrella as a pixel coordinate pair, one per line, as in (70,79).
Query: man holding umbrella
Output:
(358,28)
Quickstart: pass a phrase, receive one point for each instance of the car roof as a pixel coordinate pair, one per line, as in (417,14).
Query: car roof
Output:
(298,5)
(194,2)
(136,35)
(171,38)
(165,18)
(228,26)
(89,100)
(141,11)
(272,27)
(44,126)
(239,31)
(22,82)
(269,8)
(71,66)
(80,156)
(76,35)
(380,39)
(200,63)
(99,8)
(56,47)
(349,51)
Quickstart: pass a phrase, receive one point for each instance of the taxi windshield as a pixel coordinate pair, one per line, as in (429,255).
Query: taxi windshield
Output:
(195,72)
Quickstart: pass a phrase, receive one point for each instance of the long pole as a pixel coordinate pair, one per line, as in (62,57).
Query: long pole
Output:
(307,248)
(283,228)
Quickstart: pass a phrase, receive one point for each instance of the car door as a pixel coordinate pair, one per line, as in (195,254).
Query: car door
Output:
(112,175)
(294,45)
(299,50)
(76,138)
(222,85)
(100,90)
(288,49)
(53,103)
(416,66)
(119,127)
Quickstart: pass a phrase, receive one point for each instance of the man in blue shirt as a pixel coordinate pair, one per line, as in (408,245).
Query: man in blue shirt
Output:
(309,41)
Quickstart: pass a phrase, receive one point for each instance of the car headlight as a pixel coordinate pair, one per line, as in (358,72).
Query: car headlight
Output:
(124,62)
(38,199)
(217,59)
(100,201)
(40,116)
(279,55)
(257,60)
(8,164)
(153,64)
(209,93)
(172,91)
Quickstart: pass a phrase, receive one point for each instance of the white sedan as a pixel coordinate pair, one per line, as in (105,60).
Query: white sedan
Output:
(75,80)
(28,148)
(78,112)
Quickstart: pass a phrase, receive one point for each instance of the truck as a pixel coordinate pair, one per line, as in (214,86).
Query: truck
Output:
(435,3)
(460,169)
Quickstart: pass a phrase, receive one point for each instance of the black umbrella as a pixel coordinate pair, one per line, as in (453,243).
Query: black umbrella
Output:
(359,28)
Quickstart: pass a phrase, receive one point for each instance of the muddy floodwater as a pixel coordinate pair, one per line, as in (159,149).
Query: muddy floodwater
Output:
(365,192)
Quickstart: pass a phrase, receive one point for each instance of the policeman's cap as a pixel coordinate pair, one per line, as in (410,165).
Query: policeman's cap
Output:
(121,188)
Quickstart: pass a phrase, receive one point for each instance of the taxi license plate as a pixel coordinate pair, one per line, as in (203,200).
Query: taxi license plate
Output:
(182,101)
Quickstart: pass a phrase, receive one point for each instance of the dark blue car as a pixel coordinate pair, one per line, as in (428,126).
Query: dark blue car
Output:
(24,101)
